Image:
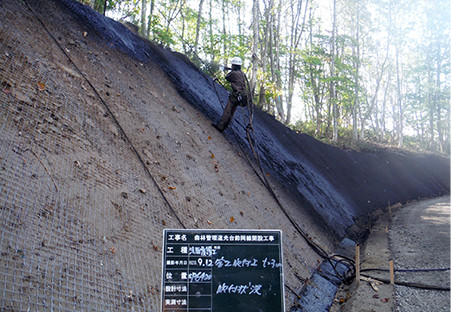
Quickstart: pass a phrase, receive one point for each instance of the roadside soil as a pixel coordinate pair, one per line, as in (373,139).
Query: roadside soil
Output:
(416,237)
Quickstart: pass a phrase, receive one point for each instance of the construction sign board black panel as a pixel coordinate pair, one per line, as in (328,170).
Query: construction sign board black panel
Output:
(222,271)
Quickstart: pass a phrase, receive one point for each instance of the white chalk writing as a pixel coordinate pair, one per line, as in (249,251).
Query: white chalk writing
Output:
(271,263)
(196,277)
(246,263)
(249,289)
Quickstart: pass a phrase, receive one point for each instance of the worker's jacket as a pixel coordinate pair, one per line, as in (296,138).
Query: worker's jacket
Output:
(238,83)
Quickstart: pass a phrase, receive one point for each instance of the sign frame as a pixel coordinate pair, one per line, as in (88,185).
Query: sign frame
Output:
(221,251)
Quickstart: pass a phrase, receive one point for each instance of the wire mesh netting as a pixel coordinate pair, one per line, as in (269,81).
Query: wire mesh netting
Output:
(68,197)
(81,214)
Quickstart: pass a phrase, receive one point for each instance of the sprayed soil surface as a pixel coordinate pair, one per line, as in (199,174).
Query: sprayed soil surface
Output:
(335,185)
(106,140)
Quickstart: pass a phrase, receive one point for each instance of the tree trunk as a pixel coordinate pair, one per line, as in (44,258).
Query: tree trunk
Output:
(295,37)
(212,53)
(143,18)
(264,55)
(186,47)
(437,98)
(199,19)
(224,32)
(355,132)
(150,20)
(255,28)
(291,60)
(275,63)
(317,104)
(332,97)
(384,107)
(173,13)
(399,102)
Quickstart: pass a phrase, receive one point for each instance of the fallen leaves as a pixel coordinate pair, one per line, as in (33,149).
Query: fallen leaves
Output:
(6,88)
(171,188)
(155,247)
(232,219)
(343,299)
(383,300)
(46,212)
(41,86)
(151,290)
(130,295)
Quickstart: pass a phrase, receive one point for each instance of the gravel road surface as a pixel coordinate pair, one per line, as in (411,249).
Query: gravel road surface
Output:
(419,238)
(416,237)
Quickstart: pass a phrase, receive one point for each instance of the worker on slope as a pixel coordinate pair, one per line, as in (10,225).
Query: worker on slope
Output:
(239,96)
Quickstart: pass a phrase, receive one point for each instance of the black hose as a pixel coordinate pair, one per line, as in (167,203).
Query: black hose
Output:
(413,285)
(315,247)
(249,129)
(407,270)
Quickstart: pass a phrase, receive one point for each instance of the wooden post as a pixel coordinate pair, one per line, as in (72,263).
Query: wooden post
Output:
(357,263)
(392,273)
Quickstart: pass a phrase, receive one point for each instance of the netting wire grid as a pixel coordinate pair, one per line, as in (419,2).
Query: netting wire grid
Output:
(82,216)
(69,190)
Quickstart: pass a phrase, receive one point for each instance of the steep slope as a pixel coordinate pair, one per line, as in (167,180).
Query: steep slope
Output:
(97,162)
(338,185)
(106,141)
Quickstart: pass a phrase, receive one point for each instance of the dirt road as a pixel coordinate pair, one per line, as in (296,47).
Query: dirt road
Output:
(416,238)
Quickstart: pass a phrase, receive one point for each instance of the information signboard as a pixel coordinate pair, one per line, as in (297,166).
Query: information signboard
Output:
(222,271)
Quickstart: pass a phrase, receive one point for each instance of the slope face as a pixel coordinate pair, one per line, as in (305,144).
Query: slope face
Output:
(99,153)
(335,185)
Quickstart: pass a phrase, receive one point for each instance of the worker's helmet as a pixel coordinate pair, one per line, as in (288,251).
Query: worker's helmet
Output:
(237,61)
